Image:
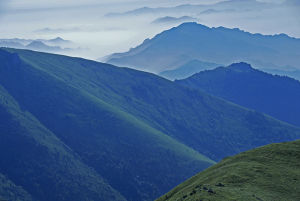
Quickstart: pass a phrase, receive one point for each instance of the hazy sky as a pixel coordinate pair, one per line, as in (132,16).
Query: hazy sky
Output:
(83,21)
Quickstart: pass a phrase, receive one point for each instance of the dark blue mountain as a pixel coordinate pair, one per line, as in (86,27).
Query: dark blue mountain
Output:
(188,69)
(274,95)
(190,41)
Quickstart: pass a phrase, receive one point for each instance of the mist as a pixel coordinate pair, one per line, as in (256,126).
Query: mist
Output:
(85,23)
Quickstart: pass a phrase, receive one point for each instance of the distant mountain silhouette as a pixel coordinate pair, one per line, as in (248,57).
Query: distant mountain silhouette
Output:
(58,41)
(294,73)
(11,44)
(188,69)
(277,96)
(189,41)
(55,45)
(55,41)
(40,46)
(173,20)
(214,11)
(188,9)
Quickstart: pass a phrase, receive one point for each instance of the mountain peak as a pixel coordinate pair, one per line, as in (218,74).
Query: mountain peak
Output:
(58,38)
(192,24)
(241,67)
(36,44)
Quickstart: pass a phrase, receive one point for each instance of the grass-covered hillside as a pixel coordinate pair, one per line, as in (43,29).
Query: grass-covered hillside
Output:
(269,173)
(76,129)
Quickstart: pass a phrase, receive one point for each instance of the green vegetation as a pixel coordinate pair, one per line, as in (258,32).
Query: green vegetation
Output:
(269,173)
(110,133)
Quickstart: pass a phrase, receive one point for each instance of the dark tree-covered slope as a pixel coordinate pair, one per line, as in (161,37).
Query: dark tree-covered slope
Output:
(141,133)
(277,96)
(35,159)
(131,155)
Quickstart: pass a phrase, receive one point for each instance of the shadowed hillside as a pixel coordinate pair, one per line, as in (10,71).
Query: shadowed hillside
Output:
(114,133)
(277,96)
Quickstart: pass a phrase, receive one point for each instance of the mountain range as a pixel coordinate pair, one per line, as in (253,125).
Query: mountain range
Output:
(75,129)
(271,172)
(195,9)
(173,20)
(186,70)
(277,96)
(55,45)
(191,41)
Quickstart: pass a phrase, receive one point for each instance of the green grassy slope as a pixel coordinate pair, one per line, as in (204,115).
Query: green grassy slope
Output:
(10,192)
(209,125)
(131,155)
(34,158)
(269,173)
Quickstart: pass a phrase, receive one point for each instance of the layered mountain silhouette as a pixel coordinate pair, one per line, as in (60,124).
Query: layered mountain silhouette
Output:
(188,9)
(293,73)
(267,173)
(277,96)
(173,20)
(74,129)
(188,69)
(189,41)
(40,46)
(55,45)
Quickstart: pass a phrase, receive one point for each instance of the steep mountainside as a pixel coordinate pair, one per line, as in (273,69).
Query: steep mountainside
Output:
(189,41)
(131,155)
(110,128)
(34,158)
(277,96)
(170,108)
(271,172)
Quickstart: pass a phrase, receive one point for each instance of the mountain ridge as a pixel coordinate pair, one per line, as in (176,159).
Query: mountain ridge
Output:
(190,41)
(240,83)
